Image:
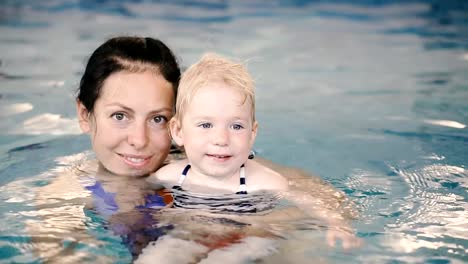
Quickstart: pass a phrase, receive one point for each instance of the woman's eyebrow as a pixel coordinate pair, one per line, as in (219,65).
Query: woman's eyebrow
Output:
(126,108)
(161,110)
(120,105)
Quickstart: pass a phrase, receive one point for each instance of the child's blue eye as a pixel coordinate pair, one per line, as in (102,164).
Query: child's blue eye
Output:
(237,127)
(205,125)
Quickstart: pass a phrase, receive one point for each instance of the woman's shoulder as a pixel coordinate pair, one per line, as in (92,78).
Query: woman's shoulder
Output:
(260,177)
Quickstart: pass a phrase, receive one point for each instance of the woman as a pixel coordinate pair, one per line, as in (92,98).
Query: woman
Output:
(125,98)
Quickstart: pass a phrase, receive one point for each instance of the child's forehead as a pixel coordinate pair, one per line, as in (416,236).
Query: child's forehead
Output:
(216,97)
(219,91)
(219,100)
(214,84)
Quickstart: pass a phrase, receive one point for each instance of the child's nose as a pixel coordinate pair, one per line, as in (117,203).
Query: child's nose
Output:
(221,137)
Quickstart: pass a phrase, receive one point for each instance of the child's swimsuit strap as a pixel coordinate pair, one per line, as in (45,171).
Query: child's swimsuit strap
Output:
(242,185)
(182,177)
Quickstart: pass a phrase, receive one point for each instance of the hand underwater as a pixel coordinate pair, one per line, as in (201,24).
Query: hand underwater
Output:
(348,239)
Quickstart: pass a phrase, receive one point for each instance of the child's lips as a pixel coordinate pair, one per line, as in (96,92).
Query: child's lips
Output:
(219,156)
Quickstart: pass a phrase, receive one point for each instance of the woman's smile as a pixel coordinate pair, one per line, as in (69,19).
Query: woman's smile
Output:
(136,161)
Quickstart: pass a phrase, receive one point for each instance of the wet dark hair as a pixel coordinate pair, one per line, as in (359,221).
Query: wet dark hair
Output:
(126,53)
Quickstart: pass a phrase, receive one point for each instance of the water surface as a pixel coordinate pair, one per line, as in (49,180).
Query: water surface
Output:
(370,95)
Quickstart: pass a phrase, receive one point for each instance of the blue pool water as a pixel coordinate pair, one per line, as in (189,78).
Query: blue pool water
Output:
(370,95)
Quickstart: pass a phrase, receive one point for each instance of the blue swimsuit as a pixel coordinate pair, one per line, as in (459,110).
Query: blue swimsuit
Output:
(140,233)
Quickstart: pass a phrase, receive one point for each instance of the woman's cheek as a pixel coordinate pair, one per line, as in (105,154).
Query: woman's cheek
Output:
(162,140)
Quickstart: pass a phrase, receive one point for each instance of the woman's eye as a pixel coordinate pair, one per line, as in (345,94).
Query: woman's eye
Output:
(237,127)
(118,116)
(159,119)
(205,125)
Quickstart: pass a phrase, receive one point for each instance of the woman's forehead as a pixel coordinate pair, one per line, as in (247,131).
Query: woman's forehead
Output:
(137,88)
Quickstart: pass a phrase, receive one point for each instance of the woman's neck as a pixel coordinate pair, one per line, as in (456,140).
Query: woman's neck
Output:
(128,190)
(114,183)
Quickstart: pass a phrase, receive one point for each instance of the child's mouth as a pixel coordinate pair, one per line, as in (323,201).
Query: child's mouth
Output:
(220,157)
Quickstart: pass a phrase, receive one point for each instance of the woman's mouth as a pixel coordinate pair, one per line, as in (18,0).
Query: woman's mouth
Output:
(135,161)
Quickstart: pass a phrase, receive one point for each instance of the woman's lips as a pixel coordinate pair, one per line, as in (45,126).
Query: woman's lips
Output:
(135,161)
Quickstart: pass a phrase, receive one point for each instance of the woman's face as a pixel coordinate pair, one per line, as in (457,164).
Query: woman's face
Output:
(128,127)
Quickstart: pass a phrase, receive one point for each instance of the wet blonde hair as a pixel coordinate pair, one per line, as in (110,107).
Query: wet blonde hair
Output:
(214,68)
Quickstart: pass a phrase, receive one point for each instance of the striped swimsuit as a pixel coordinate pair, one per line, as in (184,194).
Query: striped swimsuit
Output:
(237,203)
(242,186)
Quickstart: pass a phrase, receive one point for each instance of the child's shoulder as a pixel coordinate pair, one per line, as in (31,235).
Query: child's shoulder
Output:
(260,177)
(168,174)
(171,170)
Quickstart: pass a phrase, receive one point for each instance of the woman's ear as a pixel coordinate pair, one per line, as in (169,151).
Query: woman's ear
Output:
(83,117)
(176,131)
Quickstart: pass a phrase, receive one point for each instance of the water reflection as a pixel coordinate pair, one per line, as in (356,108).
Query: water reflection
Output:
(429,219)
(48,124)
(447,123)
(432,219)
(57,225)
(6,110)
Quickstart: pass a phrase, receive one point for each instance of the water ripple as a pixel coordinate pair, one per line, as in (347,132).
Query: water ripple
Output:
(436,216)
(425,135)
(27,147)
(6,76)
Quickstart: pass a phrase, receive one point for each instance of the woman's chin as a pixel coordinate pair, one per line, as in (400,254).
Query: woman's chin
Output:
(126,171)
(136,172)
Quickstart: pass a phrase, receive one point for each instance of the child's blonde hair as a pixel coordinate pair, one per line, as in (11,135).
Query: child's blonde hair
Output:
(214,68)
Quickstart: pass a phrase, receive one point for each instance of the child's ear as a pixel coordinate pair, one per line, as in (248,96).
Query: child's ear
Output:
(83,117)
(176,131)
(254,132)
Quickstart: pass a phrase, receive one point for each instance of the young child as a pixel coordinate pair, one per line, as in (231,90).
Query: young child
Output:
(215,123)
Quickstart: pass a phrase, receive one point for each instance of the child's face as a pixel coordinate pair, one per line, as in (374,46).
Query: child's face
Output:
(129,125)
(217,130)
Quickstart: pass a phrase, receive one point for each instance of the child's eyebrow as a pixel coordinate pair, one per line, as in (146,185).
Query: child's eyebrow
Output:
(202,117)
(241,118)
(210,118)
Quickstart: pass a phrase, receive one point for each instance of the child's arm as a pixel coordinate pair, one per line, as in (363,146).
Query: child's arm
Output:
(319,199)
(262,178)
(331,211)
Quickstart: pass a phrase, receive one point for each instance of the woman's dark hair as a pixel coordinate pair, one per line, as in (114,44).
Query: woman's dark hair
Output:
(125,53)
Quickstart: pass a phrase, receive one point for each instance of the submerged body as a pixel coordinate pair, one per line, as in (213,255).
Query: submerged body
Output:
(208,233)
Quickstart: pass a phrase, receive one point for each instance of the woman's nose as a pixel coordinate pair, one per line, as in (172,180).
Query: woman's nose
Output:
(138,136)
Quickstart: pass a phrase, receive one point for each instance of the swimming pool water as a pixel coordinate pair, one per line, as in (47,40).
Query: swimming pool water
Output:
(370,95)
